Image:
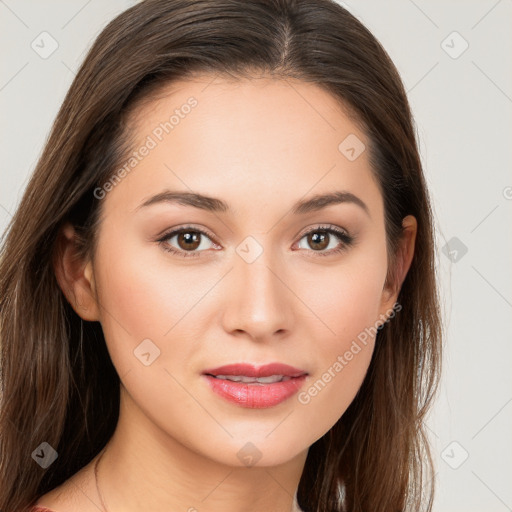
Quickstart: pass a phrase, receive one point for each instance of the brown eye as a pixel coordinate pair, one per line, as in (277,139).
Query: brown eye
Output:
(318,240)
(326,241)
(189,240)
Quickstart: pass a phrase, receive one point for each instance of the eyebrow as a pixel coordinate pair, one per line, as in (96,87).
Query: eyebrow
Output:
(213,204)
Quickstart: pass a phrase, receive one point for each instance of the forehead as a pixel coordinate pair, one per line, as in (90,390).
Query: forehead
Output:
(259,141)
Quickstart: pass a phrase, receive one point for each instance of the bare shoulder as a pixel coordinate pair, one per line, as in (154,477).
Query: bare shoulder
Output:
(76,494)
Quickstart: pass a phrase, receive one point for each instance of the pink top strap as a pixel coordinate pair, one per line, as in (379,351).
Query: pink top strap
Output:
(41,509)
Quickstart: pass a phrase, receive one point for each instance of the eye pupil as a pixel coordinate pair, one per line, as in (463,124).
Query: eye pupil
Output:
(190,239)
(319,236)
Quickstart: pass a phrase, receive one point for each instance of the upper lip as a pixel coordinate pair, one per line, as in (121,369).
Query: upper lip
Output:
(250,370)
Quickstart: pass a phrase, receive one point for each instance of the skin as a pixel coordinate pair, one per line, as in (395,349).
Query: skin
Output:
(260,145)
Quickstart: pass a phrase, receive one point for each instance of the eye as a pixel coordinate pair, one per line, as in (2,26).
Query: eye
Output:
(188,239)
(324,237)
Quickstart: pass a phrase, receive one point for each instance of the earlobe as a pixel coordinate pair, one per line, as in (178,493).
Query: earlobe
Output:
(403,260)
(75,276)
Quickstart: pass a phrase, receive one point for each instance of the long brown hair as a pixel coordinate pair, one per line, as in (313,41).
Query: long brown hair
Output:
(58,384)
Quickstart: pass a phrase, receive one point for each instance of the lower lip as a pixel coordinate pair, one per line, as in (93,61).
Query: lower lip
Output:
(255,396)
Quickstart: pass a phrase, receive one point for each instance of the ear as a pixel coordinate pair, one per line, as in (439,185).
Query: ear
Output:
(75,277)
(396,275)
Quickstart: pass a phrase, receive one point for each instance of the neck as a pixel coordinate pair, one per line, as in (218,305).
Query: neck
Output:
(144,468)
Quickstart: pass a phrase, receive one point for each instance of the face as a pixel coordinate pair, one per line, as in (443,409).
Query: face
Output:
(189,285)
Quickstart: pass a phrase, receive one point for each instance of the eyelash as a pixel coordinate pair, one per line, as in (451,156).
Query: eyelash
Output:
(346,240)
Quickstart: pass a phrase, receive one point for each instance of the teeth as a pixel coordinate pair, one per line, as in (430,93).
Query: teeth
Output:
(247,380)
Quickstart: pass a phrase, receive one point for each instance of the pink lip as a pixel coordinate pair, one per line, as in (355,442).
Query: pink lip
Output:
(252,371)
(255,395)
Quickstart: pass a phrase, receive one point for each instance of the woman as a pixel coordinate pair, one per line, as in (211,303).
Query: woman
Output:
(218,291)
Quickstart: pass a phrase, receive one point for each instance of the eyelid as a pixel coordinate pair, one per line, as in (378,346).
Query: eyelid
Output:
(323,227)
(186,227)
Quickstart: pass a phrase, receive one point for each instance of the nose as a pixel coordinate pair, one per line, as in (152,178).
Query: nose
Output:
(259,301)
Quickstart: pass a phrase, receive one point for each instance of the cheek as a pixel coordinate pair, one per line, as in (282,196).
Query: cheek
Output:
(329,392)
(346,298)
(140,300)
(349,306)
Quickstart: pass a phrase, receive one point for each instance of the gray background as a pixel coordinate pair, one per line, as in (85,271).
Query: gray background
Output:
(462,102)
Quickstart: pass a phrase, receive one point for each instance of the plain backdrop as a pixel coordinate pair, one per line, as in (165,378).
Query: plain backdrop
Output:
(455,61)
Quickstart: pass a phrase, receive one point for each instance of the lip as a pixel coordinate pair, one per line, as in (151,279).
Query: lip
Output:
(255,395)
(250,370)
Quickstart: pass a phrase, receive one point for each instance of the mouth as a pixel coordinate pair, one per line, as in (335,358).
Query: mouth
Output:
(253,380)
(255,387)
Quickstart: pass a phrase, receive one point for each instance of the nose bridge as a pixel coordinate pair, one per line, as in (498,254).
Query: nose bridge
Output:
(259,302)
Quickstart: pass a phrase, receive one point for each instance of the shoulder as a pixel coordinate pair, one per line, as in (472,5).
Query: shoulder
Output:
(73,495)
